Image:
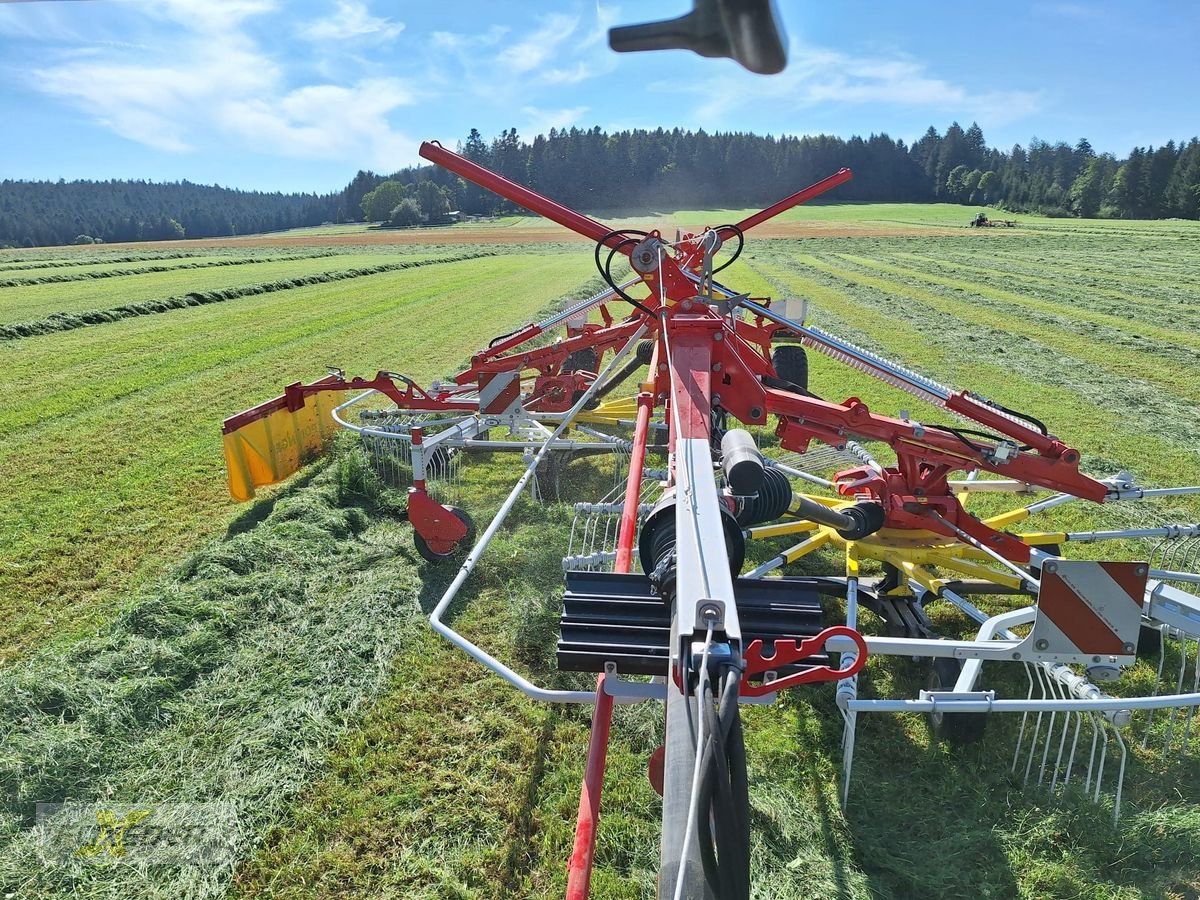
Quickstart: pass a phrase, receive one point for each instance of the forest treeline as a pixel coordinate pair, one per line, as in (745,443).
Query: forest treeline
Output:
(636,170)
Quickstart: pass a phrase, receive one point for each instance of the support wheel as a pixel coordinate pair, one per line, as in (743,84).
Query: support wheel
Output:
(791,364)
(583,360)
(957,729)
(434,556)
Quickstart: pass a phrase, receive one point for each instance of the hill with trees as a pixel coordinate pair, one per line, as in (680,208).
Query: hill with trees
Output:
(635,170)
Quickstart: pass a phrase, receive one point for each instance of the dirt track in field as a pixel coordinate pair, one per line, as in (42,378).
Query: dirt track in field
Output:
(518,235)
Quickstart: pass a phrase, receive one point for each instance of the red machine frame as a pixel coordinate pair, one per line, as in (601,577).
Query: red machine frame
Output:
(705,357)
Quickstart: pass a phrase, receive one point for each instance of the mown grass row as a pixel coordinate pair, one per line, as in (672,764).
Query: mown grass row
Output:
(1118,417)
(33,302)
(1048,343)
(112,456)
(222,682)
(59,278)
(70,321)
(83,258)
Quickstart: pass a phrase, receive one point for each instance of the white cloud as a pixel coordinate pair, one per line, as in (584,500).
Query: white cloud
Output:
(211,16)
(44,22)
(327,122)
(351,20)
(159,104)
(540,121)
(211,82)
(819,76)
(525,70)
(541,46)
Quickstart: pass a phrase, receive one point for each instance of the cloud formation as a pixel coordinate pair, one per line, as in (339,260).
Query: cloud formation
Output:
(208,80)
(817,76)
(351,20)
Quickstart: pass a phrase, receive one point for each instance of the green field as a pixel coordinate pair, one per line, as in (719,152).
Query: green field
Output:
(27,302)
(161,644)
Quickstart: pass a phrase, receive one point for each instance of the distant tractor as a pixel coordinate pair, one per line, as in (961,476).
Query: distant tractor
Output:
(982,221)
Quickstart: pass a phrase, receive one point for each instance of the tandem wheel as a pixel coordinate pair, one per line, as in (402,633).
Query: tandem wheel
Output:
(957,729)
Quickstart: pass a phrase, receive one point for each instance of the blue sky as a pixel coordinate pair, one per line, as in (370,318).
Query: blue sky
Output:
(275,95)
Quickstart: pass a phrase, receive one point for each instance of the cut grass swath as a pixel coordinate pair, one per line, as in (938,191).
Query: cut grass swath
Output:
(111,470)
(71,321)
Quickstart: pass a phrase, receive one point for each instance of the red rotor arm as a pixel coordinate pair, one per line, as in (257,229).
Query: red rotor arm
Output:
(833,423)
(841,176)
(517,193)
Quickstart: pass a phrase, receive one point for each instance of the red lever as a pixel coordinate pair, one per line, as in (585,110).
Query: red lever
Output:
(789,651)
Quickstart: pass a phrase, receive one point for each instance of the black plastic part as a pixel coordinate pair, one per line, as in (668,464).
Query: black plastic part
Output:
(644,352)
(657,541)
(744,30)
(903,615)
(432,555)
(868,519)
(791,364)
(958,729)
(618,618)
(770,503)
(741,462)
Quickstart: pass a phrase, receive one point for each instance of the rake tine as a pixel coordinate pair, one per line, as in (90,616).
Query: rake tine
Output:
(1074,744)
(1087,784)
(1183,658)
(1037,728)
(1187,735)
(1024,718)
(1162,659)
(848,738)
(1120,776)
(1103,759)
(1062,741)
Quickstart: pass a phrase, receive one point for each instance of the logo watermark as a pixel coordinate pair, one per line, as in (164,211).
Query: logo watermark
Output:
(137,834)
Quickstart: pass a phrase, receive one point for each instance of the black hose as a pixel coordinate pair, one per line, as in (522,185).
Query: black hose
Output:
(1036,423)
(736,253)
(605,268)
(723,799)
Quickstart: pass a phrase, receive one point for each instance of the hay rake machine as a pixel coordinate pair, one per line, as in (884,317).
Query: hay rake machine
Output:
(656,602)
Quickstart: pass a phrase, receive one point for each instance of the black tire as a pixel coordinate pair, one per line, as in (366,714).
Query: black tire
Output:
(957,729)
(432,555)
(1150,641)
(550,473)
(582,360)
(791,364)
(1053,549)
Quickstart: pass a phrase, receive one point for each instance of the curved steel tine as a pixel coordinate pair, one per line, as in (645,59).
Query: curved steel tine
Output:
(1187,734)
(1062,741)
(1074,743)
(1087,784)
(1162,659)
(1183,659)
(1024,718)
(1120,776)
(1050,684)
(1037,728)
(1103,757)
(848,738)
